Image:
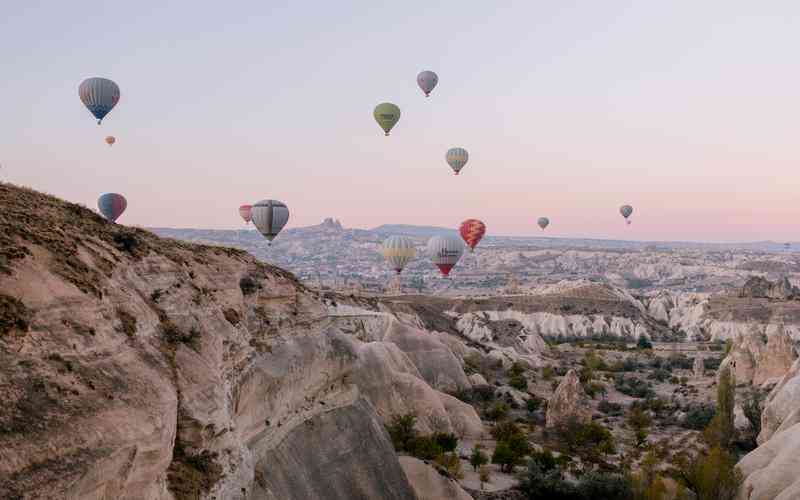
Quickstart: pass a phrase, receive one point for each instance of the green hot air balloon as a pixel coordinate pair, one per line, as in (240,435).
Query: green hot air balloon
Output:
(387,115)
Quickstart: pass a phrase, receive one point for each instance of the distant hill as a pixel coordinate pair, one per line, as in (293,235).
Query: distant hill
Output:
(414,231)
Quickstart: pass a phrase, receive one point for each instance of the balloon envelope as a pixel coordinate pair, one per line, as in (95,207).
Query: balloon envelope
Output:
(111,205)
(626,210)
(246,212)
(99,95)
(269,217)
(445,252)
(456,158)
(110,140)
(543,222)
(472,230)
(427,80)
(387,115)
(398,251)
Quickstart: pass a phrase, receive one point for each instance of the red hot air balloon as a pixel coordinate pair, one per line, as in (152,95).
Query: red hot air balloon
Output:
(472,230)
(246,212)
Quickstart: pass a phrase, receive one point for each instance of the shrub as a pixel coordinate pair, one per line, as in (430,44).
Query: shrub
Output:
(633,387)
(547,373)
(497,411)
(451,463)
(594,388)
(248,285)
(644,342)
(609,408)
(127,322)
(660,375)
(698,417)
(478,457)
(544,459)
(590,441)
(711,363)
(504,431)
(597,485)
(509,453)
(447,441)
(518,382)
(425,448)
(402,430)
(13,314)
(712,475)
(538,484)
(533,404)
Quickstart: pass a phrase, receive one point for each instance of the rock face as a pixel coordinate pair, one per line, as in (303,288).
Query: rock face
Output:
(133,367)
(569,400)
(771,470)
(429,484)
(761,288)
(335,455)
(758,357)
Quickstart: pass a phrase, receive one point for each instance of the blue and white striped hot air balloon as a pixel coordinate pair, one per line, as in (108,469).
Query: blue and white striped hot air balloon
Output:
(99,95)
(456,158)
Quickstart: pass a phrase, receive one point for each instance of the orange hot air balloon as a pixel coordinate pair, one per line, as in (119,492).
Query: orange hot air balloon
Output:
(246,212)
(472,230)
(110,140)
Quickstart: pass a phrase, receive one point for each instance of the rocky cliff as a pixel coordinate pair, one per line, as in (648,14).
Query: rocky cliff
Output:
(138,367)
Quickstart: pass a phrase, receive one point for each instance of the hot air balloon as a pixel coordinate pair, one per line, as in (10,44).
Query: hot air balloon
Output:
(269,217)
(111,205)
(110,140)
(472,230)
(543,222)
(626,211)
(427,80)
(456,158)
(387,115)
(99,95)
(445,251)
(398,251)
(246,213)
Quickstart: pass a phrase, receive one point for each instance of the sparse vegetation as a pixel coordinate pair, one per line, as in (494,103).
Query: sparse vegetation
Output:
(13,314)
(127,322)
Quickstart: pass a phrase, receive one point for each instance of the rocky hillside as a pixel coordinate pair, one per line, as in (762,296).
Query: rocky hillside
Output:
(138,367)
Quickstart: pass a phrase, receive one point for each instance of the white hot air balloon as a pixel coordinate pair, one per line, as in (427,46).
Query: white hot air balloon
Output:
(398,251)
(269,217)
(445,252)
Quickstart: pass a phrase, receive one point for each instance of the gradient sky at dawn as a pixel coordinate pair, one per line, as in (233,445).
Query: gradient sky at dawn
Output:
(687,110)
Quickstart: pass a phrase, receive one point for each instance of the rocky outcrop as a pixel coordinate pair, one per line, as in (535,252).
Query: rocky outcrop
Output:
(343,454)
(770,471)
(569,401)
(133,367)
(758,357)
(698,369)
(428,483)
(761,288)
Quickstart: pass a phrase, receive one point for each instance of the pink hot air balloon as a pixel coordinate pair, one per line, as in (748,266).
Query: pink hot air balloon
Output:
(246,213)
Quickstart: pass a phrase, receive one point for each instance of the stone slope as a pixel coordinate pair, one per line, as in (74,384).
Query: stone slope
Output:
(137,367)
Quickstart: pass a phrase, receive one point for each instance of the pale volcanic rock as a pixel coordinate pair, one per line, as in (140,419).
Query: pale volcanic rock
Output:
(429,484)
(756,361)
(569,400)
(698,369)
(782,406)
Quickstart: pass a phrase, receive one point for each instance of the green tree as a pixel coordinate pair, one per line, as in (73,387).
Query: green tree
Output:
(478,457)
(639,421)
(644,343)
(401,430)
(710,476)
(721,430)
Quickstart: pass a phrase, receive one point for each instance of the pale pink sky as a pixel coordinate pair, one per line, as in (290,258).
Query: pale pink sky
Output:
(686,110)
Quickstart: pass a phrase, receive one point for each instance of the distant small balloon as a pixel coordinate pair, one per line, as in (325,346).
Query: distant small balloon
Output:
(456,158)
(99,95)
(427,81)
(269,217)
(246,212)
(387,115)
(543,222)
(626,211)
(472,231)
(111,205)
(110,140)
